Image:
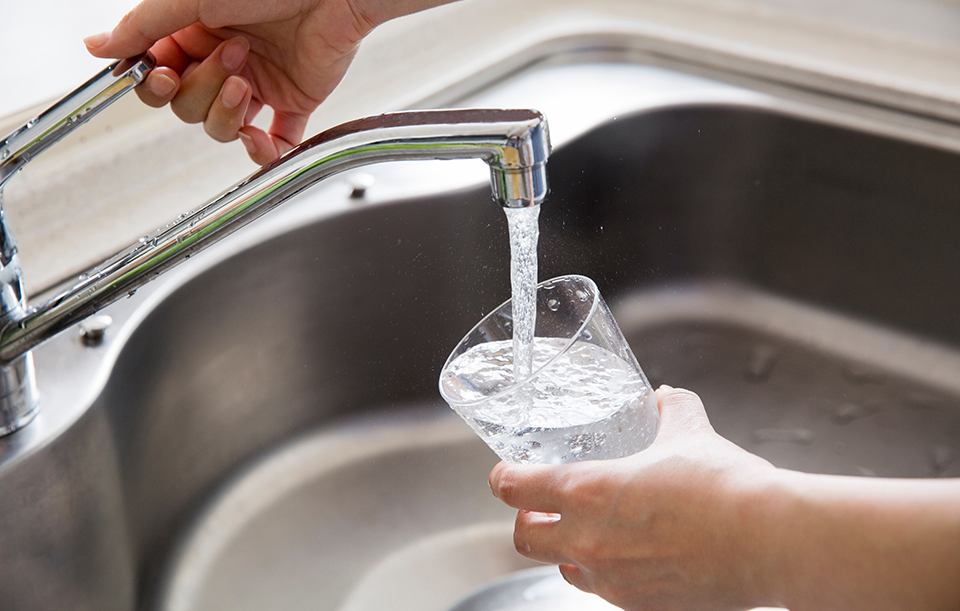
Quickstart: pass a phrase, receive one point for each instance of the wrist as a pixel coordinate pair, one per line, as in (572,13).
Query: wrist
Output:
(762,511)
(373,13)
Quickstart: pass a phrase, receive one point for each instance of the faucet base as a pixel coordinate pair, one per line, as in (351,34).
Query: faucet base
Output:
(19,399)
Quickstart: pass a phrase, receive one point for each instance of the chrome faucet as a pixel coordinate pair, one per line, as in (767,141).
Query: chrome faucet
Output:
(514,143)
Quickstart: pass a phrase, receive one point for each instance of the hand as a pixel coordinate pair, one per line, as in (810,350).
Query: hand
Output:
(667,528)
(221,61)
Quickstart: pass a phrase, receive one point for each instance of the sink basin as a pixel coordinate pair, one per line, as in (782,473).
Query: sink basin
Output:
(261,429)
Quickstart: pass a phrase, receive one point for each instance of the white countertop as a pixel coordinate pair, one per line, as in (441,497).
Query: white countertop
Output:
(135,168)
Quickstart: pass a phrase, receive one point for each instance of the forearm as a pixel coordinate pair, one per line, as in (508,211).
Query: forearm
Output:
(850,543)
(377,12)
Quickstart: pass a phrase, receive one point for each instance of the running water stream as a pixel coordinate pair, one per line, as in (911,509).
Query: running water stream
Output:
(524,227)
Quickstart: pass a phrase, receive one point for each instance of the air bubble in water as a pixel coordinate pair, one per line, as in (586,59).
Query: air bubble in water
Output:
(553,304)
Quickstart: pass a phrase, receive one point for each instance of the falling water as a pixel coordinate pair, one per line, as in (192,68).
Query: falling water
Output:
(524,229)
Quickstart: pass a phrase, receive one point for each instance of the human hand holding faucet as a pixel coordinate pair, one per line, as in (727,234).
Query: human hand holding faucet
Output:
(221,61)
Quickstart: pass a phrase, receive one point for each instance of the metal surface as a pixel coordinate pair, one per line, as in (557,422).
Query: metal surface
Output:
(541,589)
(19,400)
(247,439)
(514,143)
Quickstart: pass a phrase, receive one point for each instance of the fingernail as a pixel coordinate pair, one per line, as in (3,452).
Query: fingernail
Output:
(96,41)
(247,143)
(665,388)
(234,88)
(234,53)
(161,85)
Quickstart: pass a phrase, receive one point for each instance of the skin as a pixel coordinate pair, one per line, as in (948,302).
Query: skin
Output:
(220,62)
(695,522)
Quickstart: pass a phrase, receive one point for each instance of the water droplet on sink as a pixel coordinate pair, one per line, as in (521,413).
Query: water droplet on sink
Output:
(143,239)
(548,285)
(5,154)
(83,277)
(553,304)
(845,413)
(940,458)
(581,295)
(761,363)
(798,435)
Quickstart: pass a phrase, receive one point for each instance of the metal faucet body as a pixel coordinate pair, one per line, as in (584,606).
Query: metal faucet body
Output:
(514,143)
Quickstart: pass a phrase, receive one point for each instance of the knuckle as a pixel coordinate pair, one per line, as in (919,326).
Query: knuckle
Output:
(587,551)
(507,487)
(186,112)
(520,542)
(218,133)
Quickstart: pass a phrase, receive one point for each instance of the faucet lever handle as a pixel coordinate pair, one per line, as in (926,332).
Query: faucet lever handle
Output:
(71,111)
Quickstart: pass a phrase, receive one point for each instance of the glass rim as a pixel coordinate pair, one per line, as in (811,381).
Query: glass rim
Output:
(517,384)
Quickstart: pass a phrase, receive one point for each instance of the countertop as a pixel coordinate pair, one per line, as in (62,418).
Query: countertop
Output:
(135,168)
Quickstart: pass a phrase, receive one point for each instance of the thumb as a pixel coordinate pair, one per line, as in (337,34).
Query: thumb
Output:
(147,23)
(681,414)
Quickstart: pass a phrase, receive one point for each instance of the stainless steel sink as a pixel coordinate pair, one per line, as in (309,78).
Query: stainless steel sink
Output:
(248,439)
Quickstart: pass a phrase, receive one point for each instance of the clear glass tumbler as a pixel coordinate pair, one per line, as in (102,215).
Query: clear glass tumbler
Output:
(586,397)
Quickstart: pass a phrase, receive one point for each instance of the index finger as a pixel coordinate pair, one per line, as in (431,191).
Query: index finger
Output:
(144,25)
(531,487)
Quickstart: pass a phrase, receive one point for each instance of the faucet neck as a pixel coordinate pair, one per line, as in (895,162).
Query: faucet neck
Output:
(514,143)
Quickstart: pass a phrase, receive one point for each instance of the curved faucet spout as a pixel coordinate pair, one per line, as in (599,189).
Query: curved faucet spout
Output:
(514,143)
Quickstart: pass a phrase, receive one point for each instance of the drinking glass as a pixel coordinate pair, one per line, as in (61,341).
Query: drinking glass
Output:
(585,397)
